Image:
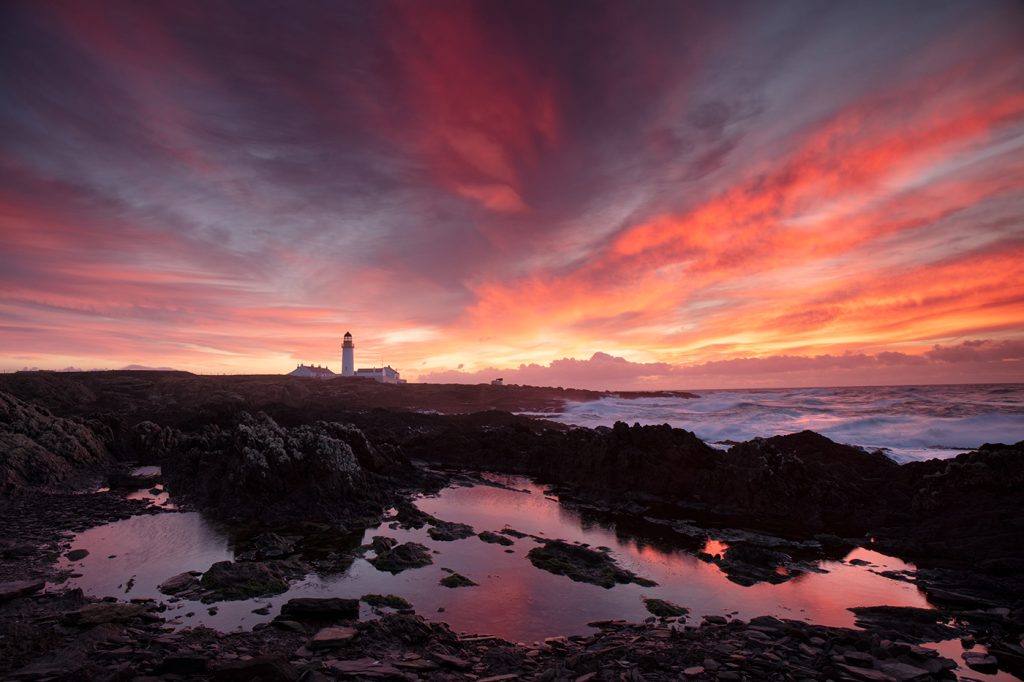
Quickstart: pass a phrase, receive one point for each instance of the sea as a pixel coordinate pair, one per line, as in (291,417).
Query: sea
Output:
(905,422)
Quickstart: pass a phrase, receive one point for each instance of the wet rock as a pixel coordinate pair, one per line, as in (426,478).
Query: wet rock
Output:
(402,557)
(104,612)
(665,609)
(366,668)
(495,538)
(183,582)
(904,672)
(906,622)
(446,531)
(20,588)
(265,546)
(304,609)
(332,637)
(747,565)
(983,663)
(390,601)
(262,668)
(457,580)
(452,661)
(582,564)
(77,554)
(184,665)
(230,580)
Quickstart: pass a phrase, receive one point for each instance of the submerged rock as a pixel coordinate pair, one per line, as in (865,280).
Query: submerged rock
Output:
(665,609)
(390,601)
(582,564)
(457,580)
(495,538)
(446,531)
(398,558)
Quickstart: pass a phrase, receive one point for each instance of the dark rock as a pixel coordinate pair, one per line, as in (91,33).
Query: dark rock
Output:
(183,582)
(229,580)
(906,622)
(665,609)
(40,450)
(104,612)
(323,609)
(77,554)
(582,564)
(332,637)
(265,546)
(495,538)
(446,531)
(456,580)
(324,472)
(401,557)
(983,663)
(20,588)
(262,668)
(390,601)
(364,668)
(184,665)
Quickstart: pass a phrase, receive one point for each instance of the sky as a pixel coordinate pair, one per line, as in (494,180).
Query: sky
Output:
(579,193)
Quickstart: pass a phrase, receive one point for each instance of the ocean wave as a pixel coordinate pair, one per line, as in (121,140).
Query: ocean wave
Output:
(908,423)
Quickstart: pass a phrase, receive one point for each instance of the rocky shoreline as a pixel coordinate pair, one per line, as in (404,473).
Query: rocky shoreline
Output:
(298,482)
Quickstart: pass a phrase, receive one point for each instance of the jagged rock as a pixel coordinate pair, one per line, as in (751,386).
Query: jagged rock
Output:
(446,531)
(40,450)
(457,580)
(265,546)
(401,557)
(324,472)
(582,564)
(229,580)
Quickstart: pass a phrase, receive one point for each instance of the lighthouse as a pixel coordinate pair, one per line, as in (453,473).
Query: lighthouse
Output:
(348,356)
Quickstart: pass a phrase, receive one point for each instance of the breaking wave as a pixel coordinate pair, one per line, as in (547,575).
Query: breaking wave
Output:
(907,422)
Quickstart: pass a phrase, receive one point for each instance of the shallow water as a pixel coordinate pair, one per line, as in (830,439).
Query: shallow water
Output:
(514,599)
(908,422)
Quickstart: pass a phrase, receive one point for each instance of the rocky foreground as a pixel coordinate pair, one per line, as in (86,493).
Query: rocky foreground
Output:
(322,461)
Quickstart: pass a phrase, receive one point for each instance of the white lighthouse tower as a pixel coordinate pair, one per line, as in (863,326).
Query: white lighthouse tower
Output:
(348,356)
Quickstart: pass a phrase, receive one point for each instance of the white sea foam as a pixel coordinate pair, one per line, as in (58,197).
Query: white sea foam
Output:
(908,422)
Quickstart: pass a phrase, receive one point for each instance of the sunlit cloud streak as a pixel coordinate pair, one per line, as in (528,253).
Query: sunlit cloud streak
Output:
(468,186)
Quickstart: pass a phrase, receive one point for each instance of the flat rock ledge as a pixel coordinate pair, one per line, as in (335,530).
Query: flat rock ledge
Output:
(66,636)
(583,564)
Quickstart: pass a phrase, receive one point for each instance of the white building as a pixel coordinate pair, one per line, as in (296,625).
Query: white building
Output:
(313,372)
(348,356)
(385,375)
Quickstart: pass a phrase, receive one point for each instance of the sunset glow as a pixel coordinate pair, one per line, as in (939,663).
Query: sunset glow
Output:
(604,195)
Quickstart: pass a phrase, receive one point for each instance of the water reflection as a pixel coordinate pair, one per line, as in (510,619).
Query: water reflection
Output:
(514,599)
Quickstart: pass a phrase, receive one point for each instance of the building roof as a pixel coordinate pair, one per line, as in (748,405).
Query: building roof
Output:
(311,371)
